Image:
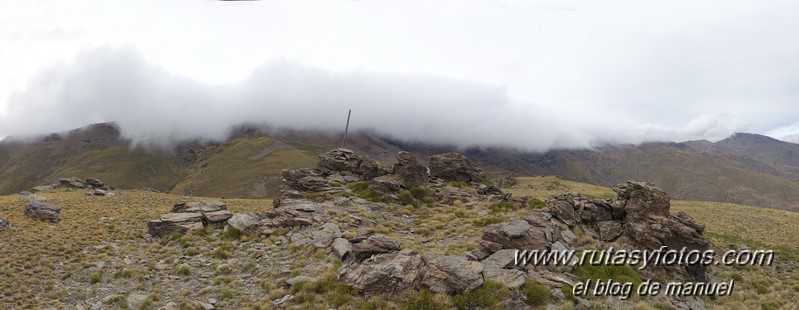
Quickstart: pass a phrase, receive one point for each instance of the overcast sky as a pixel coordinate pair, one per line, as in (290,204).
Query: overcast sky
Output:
(529,74)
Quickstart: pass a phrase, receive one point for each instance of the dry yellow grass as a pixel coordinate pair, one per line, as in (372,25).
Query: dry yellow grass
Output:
(545,186)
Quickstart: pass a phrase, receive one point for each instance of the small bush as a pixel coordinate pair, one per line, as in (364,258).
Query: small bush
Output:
(537,294)
(488,221)
(536,204)
(232,234)
(761,286)
(487,296)
(459,184)
(502,206)
(362,190)
(407,198)
(95,278)
(183,271)
(485,181)
(737,277)
(424,299)
(124,273)
(568,292)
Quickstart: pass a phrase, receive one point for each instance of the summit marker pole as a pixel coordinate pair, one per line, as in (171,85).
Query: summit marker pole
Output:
(346,128)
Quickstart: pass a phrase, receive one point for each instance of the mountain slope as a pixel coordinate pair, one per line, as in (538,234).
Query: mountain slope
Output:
(745,169)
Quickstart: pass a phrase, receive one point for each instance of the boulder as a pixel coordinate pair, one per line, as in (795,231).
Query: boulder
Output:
(42,211)
(454,167)
(216,217)
(385,185)
(341,247)
(175,223)
(643,200)
(498,267)
(303,179)
(409,169)
(72,182)
(385,273)
(159,229)
(4,225)
(376,244)
(245,222)
(517,234)
(344,161)
(451,274)
(94,183)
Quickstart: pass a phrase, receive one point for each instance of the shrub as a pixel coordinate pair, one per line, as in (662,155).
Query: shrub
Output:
(737,277)
(502,206)
(488,221)
(622,273)
(232,234)
(486,296)
(459,184)
(183,270)
(95,278)
(407,198)
(362,190)
(424,299)
(536,204)
(537,294)
(485,181)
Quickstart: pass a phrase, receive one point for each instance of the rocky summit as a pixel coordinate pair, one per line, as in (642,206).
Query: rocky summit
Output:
(346,192)
(353,232)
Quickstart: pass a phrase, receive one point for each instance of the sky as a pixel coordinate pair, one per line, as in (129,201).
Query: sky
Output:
(534,75)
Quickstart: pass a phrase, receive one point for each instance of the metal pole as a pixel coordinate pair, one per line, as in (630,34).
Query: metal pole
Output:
(346,128)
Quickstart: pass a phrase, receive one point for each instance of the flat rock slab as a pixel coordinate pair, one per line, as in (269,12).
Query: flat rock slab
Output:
(182,217)
(217,217)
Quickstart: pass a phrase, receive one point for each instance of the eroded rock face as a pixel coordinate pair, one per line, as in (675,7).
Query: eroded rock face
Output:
(453,166)
(373,245)
(344,161)
(643,200)
(386,273)
(72,182)
(451,274)
(517,234)
(42,211)
(410,170)
(641,213)
(245,222)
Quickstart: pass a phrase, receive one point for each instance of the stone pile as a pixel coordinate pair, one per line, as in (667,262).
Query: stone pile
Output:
(189,216)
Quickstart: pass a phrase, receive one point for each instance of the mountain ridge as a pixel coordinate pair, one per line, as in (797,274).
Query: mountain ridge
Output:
(744,168)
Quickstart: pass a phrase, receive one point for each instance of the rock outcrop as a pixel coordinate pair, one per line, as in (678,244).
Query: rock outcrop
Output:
(454,167)
(189,216)
(641,214)
(42,211)
(409,169)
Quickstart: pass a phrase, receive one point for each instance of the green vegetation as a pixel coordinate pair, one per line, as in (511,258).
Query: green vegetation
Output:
(362,190)
(486,296)
(536,204)
(482,222)
(536,294)
(424,299)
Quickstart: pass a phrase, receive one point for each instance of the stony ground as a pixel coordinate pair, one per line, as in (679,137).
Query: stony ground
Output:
(100,257)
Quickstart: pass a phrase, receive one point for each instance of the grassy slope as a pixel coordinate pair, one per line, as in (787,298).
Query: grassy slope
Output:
(684,174)
(244,167)
(135,168)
